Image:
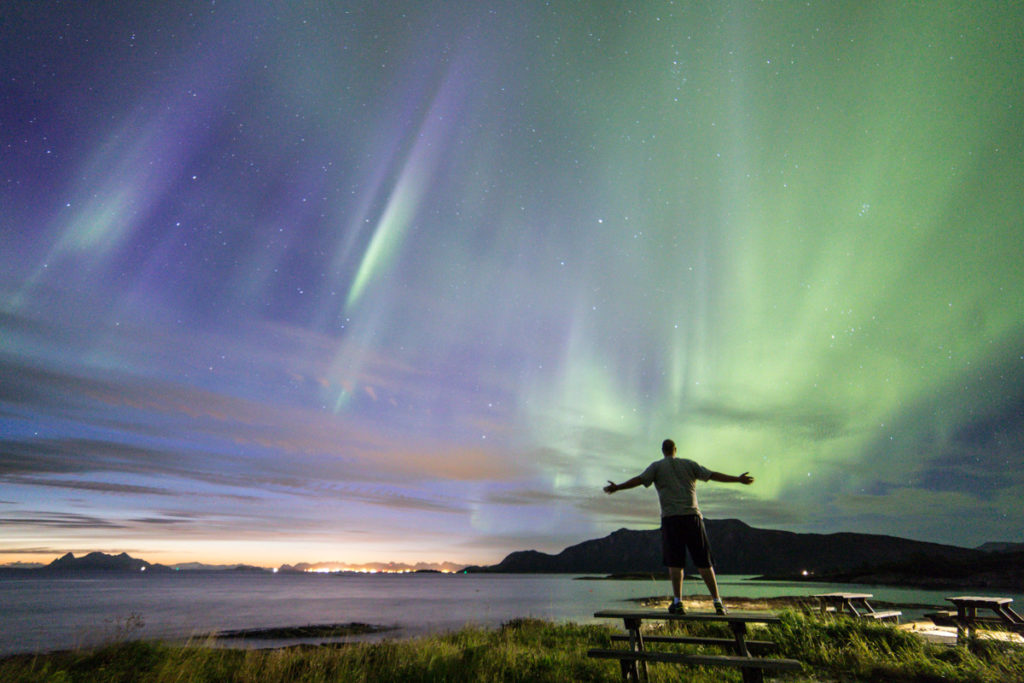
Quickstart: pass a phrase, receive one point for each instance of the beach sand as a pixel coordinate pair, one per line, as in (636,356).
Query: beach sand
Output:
(923,627)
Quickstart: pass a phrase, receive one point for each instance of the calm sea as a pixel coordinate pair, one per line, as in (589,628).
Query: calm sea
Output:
(44,613)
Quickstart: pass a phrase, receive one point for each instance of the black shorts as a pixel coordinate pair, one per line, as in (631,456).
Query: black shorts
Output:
(680,533)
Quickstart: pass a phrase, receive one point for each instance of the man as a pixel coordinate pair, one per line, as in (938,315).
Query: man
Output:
(682,526)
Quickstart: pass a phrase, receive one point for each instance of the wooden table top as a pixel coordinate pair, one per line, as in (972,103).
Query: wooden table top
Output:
(845,596)
(744,617)
(979,600)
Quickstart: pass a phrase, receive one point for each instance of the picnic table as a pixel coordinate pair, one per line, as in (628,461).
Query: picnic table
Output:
(854,604)
(966,617)
(633,660)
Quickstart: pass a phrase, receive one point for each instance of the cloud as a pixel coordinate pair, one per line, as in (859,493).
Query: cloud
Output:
(398,500)
(632,508)
(325,455)
(99,486)
(730,501)
(26,460)
(60,520)
(31,551)
(544,541)
(150,408)
(163,521)
(922,514)
(58,552)
(794,421)
(524,497)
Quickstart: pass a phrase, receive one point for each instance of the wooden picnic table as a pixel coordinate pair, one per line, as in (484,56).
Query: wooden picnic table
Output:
(633,661)
(967,618)
(854,604)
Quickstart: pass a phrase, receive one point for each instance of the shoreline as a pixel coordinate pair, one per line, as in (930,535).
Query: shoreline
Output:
(887,580)
(162,608)
(530,649)
(900,580)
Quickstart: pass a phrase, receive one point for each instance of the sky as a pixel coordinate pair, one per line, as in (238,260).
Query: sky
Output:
(411,281)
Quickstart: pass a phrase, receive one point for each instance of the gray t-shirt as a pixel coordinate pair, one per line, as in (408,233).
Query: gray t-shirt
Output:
(676,482)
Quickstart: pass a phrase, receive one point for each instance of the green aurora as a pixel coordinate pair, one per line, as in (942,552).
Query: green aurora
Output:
(429,275)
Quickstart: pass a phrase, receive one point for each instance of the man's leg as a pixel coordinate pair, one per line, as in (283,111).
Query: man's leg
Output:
(708,574)
(675,574)
(700,550)
(673,555)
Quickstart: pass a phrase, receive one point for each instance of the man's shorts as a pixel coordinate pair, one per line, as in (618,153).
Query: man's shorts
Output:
(680,533)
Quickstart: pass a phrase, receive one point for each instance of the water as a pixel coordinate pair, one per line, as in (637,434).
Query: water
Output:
(45,613)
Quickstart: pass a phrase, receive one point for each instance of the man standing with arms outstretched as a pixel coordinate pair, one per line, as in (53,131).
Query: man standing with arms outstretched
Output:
(682,526)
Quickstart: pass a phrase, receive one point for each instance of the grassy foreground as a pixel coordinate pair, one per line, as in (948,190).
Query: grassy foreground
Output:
(528,650)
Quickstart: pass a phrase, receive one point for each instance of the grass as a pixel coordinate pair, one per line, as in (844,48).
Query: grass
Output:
(838,650)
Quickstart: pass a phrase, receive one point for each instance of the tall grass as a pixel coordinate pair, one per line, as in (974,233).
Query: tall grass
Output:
(521,650)
(859,650)
(528,650)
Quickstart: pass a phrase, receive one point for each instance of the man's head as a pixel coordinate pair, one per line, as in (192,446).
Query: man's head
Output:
(668,447)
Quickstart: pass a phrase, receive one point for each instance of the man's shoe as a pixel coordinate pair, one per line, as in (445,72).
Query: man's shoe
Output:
(676,608)
(720,609)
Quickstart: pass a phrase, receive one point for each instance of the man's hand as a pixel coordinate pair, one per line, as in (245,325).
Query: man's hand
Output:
(612,487)
(745,478)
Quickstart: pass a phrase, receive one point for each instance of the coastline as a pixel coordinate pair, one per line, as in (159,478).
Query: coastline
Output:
(48,613)
(988,582)
(530,649)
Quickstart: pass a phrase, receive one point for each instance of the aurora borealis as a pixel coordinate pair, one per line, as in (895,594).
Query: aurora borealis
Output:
(392,281)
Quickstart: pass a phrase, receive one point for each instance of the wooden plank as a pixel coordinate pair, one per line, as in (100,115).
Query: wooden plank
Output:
(1008,612)
(890,614)
(943,617)
(986,622)
(844,596)
(654,615)
(979,601)
(693,640)
(698,660)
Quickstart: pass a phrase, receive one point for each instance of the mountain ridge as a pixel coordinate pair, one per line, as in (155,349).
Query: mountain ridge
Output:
(97,561)
(844,557)
(739,548)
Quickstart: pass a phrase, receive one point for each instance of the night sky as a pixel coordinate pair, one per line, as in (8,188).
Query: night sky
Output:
(386,281)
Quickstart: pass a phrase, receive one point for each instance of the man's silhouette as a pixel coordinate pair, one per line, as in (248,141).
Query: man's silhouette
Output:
(682,526)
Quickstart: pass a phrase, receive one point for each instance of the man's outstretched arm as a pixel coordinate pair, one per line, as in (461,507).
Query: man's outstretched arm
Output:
(612,487)
(744,478)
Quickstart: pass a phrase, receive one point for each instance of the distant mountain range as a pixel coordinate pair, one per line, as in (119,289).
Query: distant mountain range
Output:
(124,562)
(738,549)
(1001,547)
(741,549)
(102,562)
(199,566)
(996,570)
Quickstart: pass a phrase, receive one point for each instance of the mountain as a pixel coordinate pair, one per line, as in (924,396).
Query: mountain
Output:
(202,567)
(738,549)
(1002,571)
(1001,547)
(102,562)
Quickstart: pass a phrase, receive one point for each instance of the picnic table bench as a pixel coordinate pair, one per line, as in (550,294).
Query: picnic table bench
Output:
(854,604)
(966,617)
(633,660)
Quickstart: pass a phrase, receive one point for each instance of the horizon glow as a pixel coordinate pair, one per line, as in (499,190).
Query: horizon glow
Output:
(391,283)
